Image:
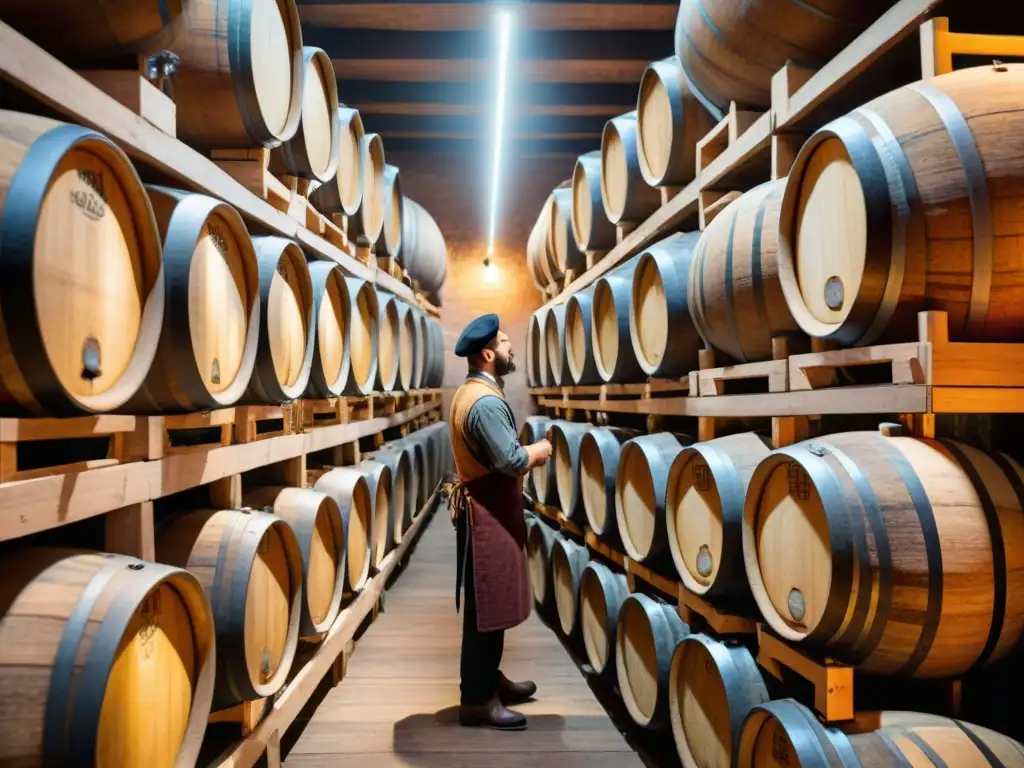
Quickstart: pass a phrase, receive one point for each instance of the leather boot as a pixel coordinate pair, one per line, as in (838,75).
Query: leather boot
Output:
(515,693)
(491,715)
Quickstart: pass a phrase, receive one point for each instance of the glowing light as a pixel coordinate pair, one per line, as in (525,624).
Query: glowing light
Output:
(504,42)
(491,274)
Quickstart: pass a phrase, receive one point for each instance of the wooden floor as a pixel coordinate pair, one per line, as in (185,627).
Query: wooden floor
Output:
(397,704)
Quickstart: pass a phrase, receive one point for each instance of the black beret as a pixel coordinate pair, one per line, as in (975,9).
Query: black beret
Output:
(477,335)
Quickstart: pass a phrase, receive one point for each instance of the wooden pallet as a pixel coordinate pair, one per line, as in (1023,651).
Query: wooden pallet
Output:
(833,682)
(15,434)
(695,609)
(637,574)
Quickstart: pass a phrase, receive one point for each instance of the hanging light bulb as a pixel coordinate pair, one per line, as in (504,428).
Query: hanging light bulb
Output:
(490,271)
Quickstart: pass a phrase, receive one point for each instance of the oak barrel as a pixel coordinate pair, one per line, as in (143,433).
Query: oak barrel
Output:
(349,489)
(314,151)
(239,82)
(402,494)
(407,352)
(315,519)
(786,733)
(730,49)
(614,355)
(590,226)
(713,685)
(210,329)
(563,242)
(670,122)
(640,485)
(250,567)
(579,338)
(737,301)
(565,437)
(910,203)
(80,32)
(363,336)
(534,429)
(568,559)
(625,194)
(366,224)
(602,592)
(284,355)
(379,483)
(540,538)
(536,350)
(645,641)
(332,308)
(343,193)
(554,337)
(424,253)
(944,577)
(390,241)
(420,350)
(600,450)
(104,660)
(707,486)
(417,476)
(434,373)
(540,256)
(79,238)
(665,338)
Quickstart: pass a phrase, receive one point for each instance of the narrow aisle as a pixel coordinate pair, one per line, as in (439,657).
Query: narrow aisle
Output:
(397,705)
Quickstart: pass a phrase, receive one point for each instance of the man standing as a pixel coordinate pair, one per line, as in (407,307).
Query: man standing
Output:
(490,525)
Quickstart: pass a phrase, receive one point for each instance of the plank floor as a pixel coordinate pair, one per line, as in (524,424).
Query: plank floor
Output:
(397,704)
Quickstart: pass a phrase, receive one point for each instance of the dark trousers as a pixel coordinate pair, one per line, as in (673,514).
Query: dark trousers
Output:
(481,651)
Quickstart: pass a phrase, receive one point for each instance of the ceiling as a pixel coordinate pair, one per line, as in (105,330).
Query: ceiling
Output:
(424,74)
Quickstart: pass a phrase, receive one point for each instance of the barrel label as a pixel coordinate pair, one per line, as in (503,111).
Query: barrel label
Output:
(149,615)
(799,483)
(702,477)
(780,747)
(217,239)
(92,201)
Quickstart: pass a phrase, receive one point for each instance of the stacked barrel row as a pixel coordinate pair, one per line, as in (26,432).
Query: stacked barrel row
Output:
(821,252)
(118,661)
(829,541)
(120,296)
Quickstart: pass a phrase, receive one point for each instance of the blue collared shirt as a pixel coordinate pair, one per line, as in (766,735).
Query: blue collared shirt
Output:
(491,434)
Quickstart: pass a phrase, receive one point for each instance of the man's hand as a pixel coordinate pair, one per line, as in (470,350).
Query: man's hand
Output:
(539,453)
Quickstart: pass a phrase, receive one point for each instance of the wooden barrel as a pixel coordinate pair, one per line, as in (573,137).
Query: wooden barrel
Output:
(579,338)
(707,486)
(540,256)
(554,338)
(602,592)
(210,328)
(104,660)
(406,351)
(343,193)
(614,356)
(316,521)
(590,226)
(540,538)
(424,463)
(403,491)
(536,350)
(913,234)
(665,338)
(730,50)
(348,487)
(315,149)
(904,738)
(433,375)
(600,450)
(363,336)
(284,355)
(534,429)
(640,485)
(250,566)
(424,253)
(332,308)
(712,687)
(645,642)
(670,122)
(390,241)
(366,224)
(79,237)
(565,439)
(739,304)
(786,733)
(624,193)
(563,242)
(419,346)
(568,559)
(240,75)
(417,475)
(946,520)
(87,32)
(379,483)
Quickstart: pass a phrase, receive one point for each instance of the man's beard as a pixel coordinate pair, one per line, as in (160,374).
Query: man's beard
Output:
(504,366)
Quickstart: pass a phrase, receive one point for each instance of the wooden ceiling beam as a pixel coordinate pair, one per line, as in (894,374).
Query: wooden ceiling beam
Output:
(465,70)
(357,92)
(446,108)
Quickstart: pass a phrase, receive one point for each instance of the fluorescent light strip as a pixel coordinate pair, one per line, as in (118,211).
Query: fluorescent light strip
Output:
(504,34)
